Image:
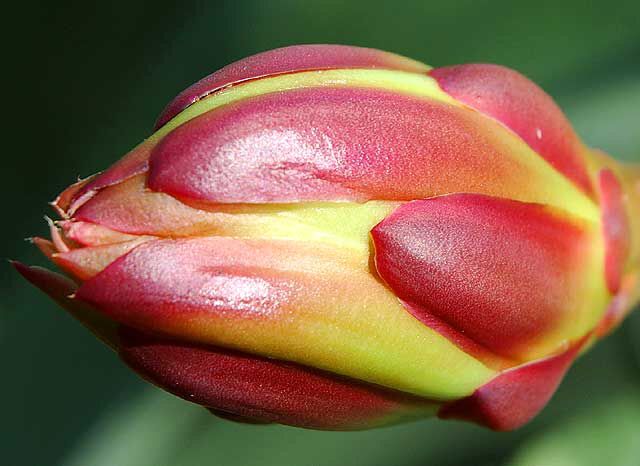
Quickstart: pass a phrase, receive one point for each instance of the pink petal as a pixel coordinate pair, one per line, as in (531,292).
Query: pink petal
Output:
(91,234)
(85,263)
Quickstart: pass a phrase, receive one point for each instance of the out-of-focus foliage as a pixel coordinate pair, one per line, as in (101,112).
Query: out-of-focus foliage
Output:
(88,79)
(606,434)
(137,434)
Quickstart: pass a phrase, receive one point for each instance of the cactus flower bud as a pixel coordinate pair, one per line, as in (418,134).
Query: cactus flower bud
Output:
(340,238)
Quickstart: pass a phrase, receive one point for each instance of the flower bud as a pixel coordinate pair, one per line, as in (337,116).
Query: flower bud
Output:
(340,238)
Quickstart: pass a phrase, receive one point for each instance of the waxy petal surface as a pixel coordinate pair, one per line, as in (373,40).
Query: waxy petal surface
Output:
(350,144)
(288,60)
(517,278)
(290,300)
(264,389)
(522,106)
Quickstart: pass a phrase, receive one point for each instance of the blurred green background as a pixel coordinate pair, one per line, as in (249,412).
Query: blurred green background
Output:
(87,81)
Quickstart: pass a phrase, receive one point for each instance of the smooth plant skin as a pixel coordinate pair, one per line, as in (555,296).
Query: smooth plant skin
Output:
(341,238)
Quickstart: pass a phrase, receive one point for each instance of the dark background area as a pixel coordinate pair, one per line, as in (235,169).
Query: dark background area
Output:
(84,83)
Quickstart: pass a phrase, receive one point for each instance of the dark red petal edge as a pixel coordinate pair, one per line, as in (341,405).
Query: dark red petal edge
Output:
(256,389)
(514,397)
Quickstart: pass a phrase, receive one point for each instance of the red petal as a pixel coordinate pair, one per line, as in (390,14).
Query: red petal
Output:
(501,272)
(515,396)
(342,144)
(267,390)
(522,106)
(615,226)
(288,60)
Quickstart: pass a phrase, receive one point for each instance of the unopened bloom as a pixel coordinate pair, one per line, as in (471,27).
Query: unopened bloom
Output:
(339,238)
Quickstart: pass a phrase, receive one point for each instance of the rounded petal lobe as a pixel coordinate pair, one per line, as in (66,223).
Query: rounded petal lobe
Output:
(517,278)
(266,390)
(522,106)
(288,60)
